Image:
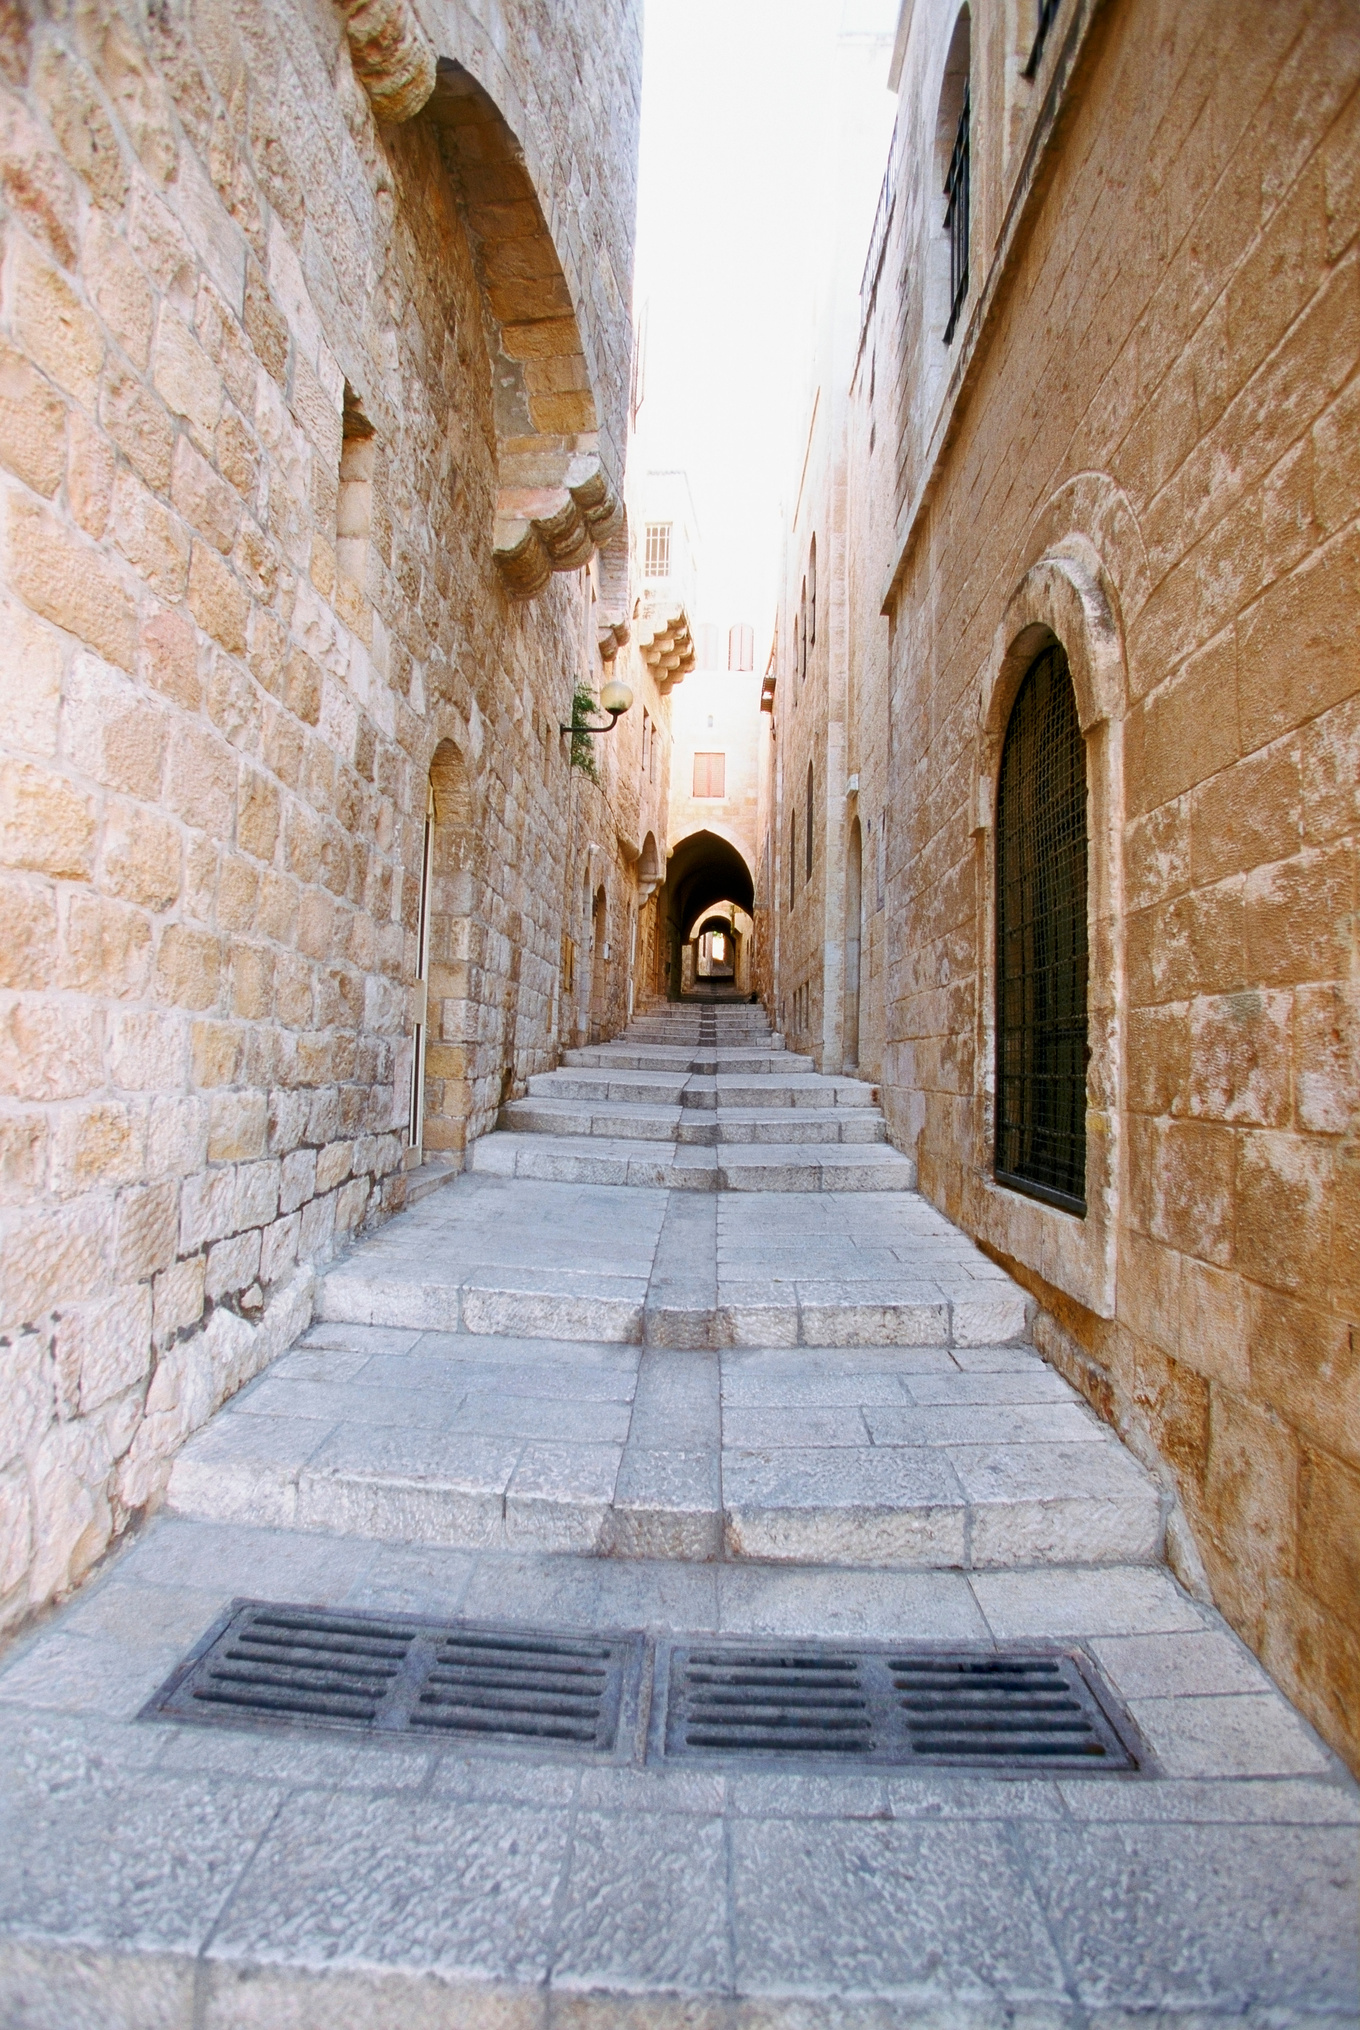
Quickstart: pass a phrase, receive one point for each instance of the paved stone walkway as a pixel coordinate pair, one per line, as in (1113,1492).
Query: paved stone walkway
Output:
(805,1413)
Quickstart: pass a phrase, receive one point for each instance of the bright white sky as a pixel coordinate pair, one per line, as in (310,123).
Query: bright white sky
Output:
(734,96)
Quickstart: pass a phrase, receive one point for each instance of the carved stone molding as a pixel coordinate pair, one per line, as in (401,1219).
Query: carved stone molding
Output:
(393,58)
(666,641)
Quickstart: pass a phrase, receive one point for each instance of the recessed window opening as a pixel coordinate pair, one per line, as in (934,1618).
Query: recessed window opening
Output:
(812,593)
(808,849)
(710,775)
(354,505)
(1048,12)
(793,859)
(1041,942)
(741,647)
(956,215)
(657,560)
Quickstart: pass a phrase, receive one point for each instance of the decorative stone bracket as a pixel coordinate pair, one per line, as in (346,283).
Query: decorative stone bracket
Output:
(666,642)
(393,58)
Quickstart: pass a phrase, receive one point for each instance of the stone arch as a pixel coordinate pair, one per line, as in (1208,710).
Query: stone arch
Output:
(599,962)
(1065,597)
(557,494)
(453,966)
(558,448)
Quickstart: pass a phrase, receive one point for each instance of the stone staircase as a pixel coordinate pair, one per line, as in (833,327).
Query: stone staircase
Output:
(696,1099)
(776,1417)
(806,1364)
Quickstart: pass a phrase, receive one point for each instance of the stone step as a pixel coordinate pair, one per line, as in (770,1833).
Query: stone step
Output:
(552,1113)
(738,1166)
(625,1056)
(702,1089)
(915,1458)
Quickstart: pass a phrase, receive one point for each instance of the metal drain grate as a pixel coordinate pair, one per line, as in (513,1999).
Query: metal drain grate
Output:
(1001,1709)
(396,1673)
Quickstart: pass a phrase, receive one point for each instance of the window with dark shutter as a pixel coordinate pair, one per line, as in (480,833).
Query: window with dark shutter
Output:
(1041,950)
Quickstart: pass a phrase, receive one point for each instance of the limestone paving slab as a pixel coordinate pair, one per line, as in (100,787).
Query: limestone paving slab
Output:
(148,1871)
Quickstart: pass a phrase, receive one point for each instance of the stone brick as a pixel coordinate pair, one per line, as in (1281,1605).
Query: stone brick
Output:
(184,376)
(1295,647)
(139,856)
(1305,1366)
(297,1179)
(170,659)
(178,1297)
(258,814)
(232,1266)
(237,1123)
(102,1349)
(32,424)
(1240,1059)
(279,1248)
(1329,1531)
(203,498)
(51,1052)
(139,424)
(110,731)
(146,1231)
(54,328)
(96,1142)
(28,953)
(1281,1226)
(201,781)
(52,1253)
(66,581)
(119,291)
(218,600)
(84,133)
(30,682)
(1299,915)
(188,967)
(256,1201)
(106,947)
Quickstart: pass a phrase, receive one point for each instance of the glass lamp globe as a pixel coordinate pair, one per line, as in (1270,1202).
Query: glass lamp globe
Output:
(615,697)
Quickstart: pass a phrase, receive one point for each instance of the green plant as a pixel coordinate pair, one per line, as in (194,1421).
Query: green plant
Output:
(582,746)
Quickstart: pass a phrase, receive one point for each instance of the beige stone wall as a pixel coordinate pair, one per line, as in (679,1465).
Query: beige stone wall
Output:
(218,719)
(1143,442)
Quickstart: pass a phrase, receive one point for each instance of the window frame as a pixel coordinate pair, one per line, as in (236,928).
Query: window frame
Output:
(1038,977)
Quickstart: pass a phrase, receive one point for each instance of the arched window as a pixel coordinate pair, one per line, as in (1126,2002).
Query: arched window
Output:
(812,593)
(1041,1027)
(808,853)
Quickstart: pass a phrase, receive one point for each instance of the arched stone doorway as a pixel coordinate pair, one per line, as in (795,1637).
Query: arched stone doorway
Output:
(704,871)
(448,936)
(599,963)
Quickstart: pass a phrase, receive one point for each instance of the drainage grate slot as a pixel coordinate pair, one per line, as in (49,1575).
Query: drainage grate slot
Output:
(397,1673)
(1002,1709)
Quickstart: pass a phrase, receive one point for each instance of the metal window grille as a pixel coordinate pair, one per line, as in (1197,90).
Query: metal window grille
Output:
(956,216)
(658,557)
(1041,953)
(1048,12)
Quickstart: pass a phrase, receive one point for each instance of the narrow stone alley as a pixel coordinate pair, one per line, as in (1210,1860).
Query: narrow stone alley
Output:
(679,1015)
(792,1418)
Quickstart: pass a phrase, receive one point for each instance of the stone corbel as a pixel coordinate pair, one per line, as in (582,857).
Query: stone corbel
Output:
(666,644)
(553,521)
(611,633)
(393,58)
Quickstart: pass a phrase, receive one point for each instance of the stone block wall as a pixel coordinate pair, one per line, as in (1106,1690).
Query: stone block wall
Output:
(219,706)
(1144,442)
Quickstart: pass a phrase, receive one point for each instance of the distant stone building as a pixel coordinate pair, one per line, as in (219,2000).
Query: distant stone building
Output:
(312,423)
(1063,784)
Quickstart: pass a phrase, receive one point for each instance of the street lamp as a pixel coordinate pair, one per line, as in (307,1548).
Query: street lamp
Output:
(615,698)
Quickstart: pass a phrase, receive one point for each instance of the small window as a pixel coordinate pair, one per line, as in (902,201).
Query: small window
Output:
(710,775)
(808,874)
(741,647)
(812,594)
(657,560)
(354,505)
(956,216)
(802,633)
(1047,14)
(646,744)
(1041,952)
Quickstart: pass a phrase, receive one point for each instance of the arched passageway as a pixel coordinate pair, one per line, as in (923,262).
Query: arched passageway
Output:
(704,872)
